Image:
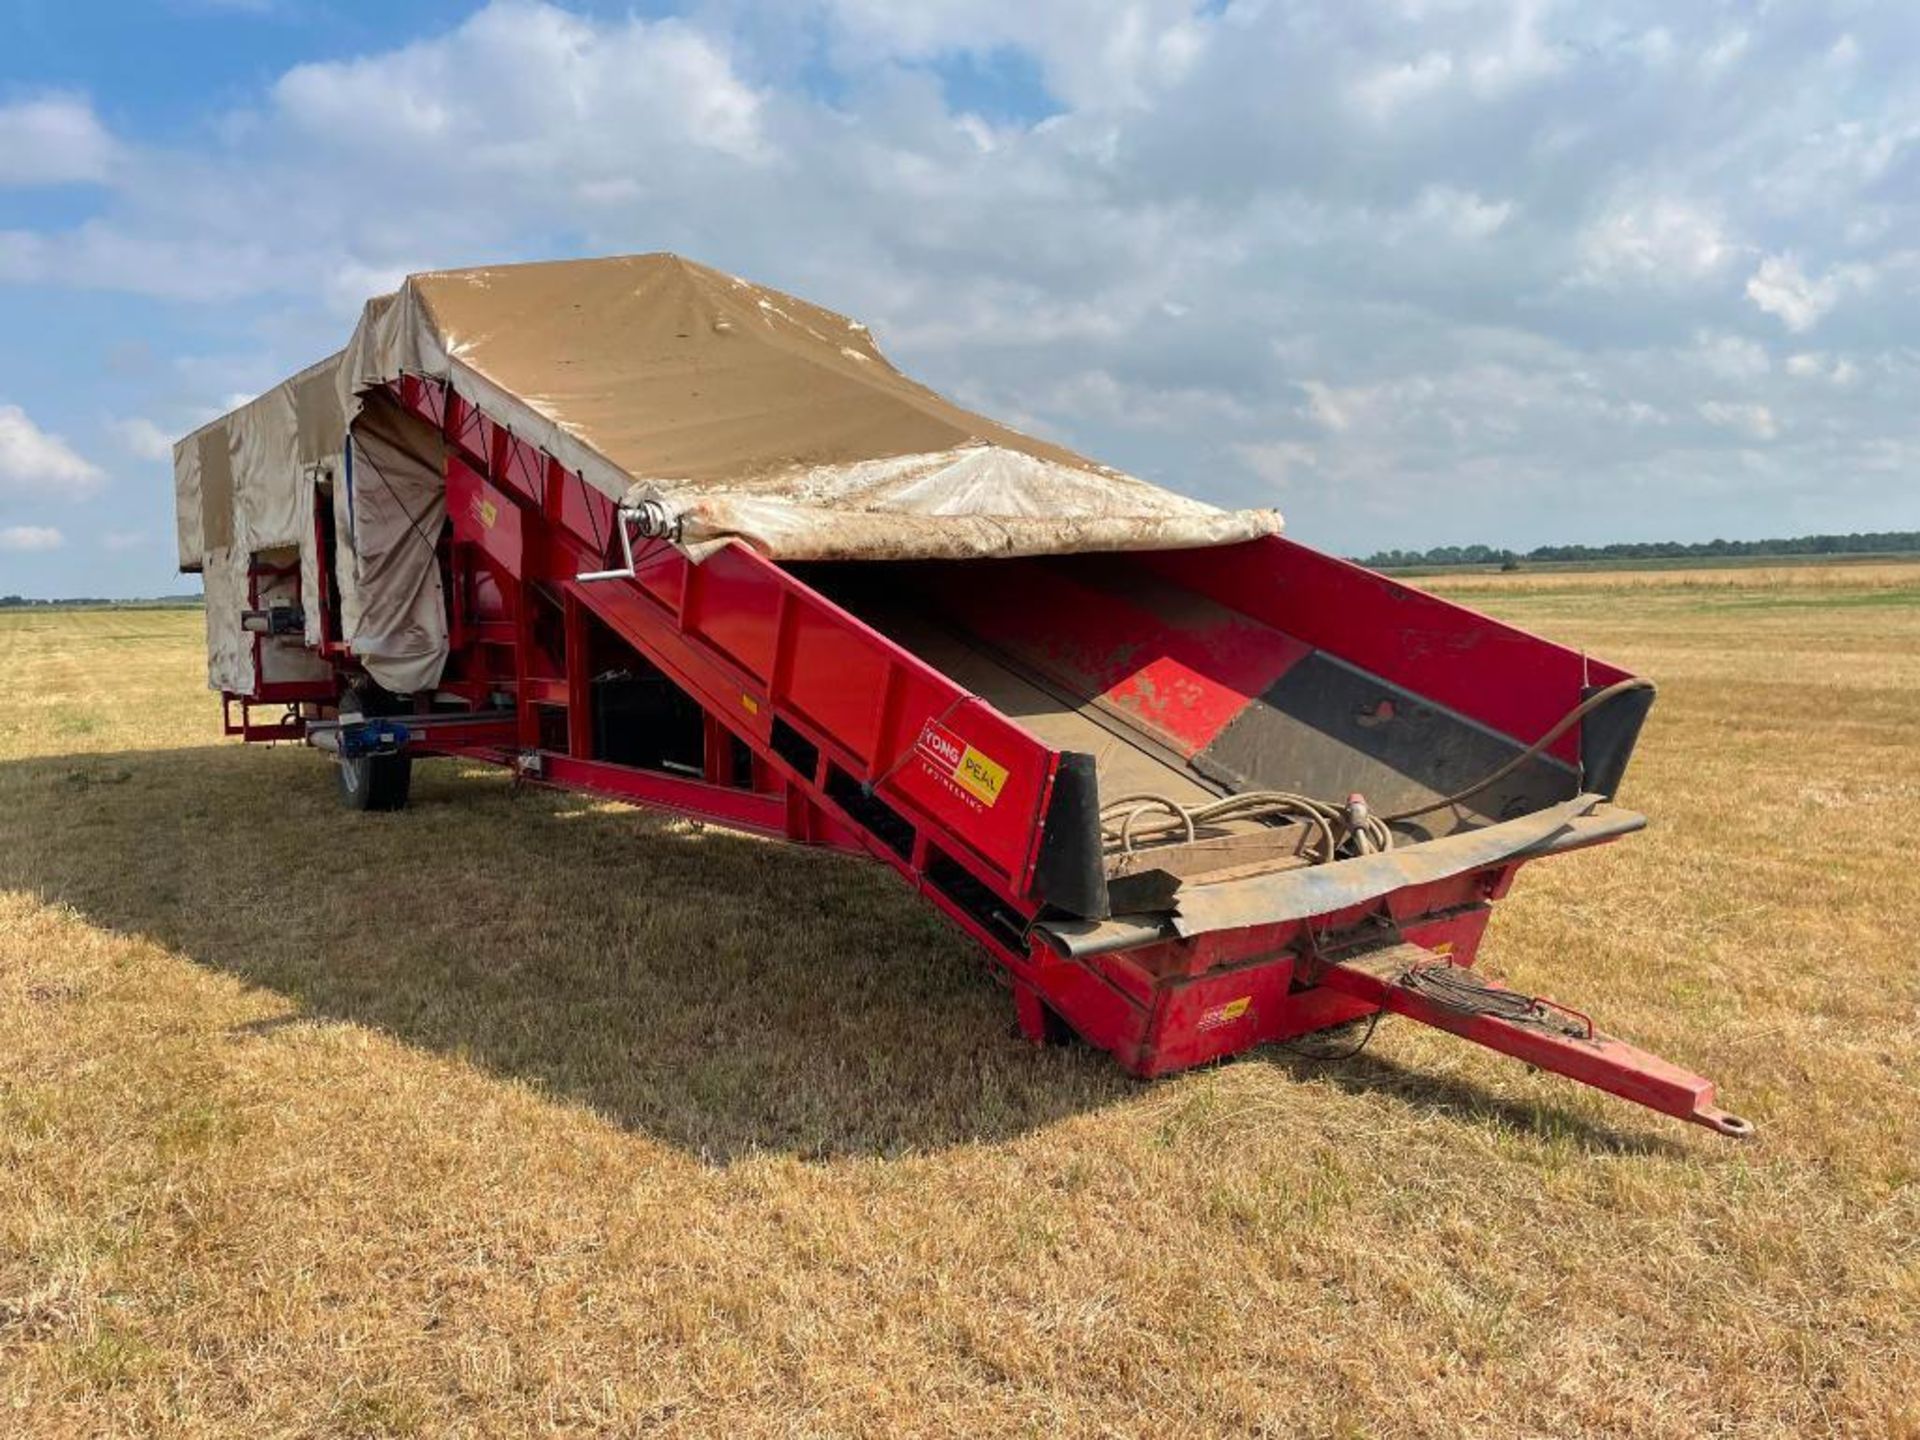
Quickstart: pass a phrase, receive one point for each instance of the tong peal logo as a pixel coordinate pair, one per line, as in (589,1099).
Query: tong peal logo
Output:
(953,758)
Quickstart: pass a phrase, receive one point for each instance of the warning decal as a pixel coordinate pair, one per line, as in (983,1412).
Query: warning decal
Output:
(1225,1014)
(959,762)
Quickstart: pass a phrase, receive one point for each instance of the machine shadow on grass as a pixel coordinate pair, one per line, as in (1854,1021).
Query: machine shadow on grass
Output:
(1369,1073)
(725,995)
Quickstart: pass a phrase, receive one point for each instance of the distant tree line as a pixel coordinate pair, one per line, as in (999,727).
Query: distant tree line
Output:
(1886,542)
(22,602)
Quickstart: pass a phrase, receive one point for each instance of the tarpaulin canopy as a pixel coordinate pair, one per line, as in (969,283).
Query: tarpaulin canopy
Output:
(733,412)
(745,413)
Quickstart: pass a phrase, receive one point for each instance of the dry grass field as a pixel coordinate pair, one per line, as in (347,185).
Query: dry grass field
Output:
(515,1114)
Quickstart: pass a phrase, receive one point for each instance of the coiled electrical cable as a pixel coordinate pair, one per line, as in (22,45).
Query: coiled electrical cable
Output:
(1122,820)
(1153,818)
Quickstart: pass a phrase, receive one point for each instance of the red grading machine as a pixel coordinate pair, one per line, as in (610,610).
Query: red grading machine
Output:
(1189,801)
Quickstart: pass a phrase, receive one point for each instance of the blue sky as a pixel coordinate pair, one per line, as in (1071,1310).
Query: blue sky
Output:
(1417,273)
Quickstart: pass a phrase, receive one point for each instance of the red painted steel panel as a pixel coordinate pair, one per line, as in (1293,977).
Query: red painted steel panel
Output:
(448,737)
(485,516)
(591,515)
(738,607)
(1003,830)
(1512,681)
(969,768)
(743,809)
(658,568)
(524,472)
(1082,997)
(837,680)
(1180,670)
(477,439)
(1219,1013)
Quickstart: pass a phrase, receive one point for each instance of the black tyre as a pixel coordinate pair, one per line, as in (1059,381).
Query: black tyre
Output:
(371,782)
(374,782)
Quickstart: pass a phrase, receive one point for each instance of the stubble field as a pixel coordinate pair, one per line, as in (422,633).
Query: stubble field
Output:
(512,1113)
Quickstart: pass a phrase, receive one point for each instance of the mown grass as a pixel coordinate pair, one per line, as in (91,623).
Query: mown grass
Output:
(512,1113)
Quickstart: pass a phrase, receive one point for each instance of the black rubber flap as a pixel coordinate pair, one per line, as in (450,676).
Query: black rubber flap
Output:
(1070,875)
(1607,738)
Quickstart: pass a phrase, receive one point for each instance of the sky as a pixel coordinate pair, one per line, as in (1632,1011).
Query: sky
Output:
(1418,273)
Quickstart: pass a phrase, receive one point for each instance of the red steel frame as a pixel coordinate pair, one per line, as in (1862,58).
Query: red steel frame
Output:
(829,708)
(286,696)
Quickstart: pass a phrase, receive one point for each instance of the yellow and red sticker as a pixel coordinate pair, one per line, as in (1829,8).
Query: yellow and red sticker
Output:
(1218,1015)
(953,758)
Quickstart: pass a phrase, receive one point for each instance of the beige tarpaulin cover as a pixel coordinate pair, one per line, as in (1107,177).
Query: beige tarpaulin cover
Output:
(399,507)
(721,409)
(244,486)
(744,413)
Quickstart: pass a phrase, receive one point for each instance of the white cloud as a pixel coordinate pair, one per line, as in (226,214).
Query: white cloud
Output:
(143,439)
(1655,47)
(1383,94)
(215,261)
(1278,462)
(120,541)
(1094,54)
(1098,395)
(1726,51)
(1782,288)
(1755,421)
(1332,407)
(1817,365)
(518,85)
(53,140)
(1662,242)
(30,538)
(1166,252)
(32,461)
(1521,52)
(1730,357)
(1461,213)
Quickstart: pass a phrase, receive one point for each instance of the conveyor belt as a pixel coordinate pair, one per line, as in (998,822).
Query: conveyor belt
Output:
(1127,763)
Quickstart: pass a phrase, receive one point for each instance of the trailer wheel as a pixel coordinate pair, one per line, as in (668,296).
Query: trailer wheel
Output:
(371,782)
(374,782)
